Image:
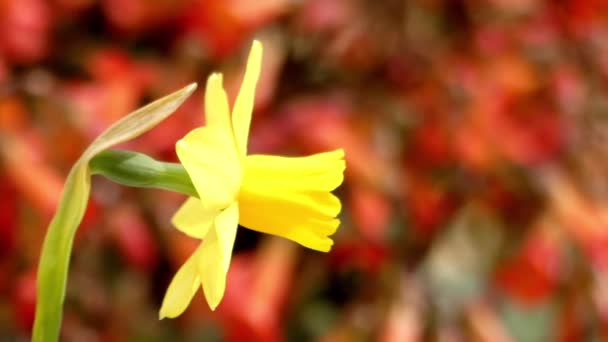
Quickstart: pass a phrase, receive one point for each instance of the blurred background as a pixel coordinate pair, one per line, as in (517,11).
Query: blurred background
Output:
(476,136)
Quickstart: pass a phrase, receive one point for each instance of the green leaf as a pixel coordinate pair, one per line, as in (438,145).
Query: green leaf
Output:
(57,246)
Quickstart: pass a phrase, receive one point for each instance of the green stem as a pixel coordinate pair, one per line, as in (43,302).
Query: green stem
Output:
(140,170)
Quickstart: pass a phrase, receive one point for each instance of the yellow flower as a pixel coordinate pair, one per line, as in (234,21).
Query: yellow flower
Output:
(283,196)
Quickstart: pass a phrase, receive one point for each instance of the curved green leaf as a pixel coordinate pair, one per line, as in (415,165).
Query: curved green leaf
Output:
(57,246)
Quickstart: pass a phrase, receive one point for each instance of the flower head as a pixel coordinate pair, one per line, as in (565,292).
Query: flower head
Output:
(283,196)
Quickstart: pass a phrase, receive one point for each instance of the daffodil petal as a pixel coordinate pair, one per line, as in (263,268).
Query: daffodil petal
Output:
(193,218)
(211,160)
(319,172)
(226,225)
(217,111)
(212,269)
(243,105)
(182,288)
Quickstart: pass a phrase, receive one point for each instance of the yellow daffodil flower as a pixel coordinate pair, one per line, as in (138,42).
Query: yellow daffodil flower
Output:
(283,196)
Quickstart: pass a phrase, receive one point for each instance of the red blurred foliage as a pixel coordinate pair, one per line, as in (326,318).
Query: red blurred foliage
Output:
(40,184)
(3,71)
(23,300)
(367,257)
(133,237)
(431,144)
(371,212)
(13,115)
(136,16)
(528,136)
(437,104)
(572,322)
(25,28)
(72,7)
(8,219)
(322,16)
(350,39)
(429,206)
(582,220)
(539,259)
(252,284)
(223,25)
(119,83)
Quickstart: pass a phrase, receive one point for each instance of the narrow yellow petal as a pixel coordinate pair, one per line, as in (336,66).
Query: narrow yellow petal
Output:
(319,172)
(217,111)
(212,268)
(226,225)
(243,105)
(193,218)
(209,156)
(182,288)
